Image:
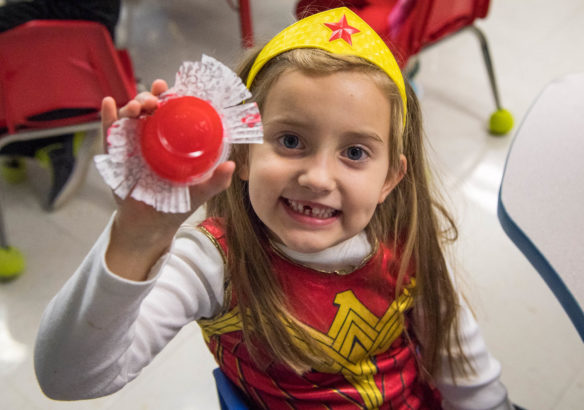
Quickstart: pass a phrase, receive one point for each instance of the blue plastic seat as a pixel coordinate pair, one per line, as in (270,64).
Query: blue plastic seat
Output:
(230,396)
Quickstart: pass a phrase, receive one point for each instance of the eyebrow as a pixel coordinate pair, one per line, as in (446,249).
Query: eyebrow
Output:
(367,136)
(360,134)
(284,121)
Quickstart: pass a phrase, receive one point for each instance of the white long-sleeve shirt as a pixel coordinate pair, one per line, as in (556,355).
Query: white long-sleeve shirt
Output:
(101,330)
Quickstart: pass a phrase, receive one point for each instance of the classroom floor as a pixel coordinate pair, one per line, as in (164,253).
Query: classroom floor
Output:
(532,41)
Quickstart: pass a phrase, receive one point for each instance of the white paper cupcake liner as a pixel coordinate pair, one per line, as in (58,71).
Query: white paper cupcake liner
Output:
(123,168)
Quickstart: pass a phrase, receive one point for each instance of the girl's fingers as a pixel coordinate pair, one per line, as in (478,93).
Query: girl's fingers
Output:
(109,113)
(221,178)
(145,102)
(158,87)
(219,181)
(132,109)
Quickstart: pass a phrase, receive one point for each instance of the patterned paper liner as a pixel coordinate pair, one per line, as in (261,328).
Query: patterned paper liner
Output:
(123,168)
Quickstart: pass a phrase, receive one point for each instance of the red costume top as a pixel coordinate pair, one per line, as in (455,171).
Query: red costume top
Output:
(358,323)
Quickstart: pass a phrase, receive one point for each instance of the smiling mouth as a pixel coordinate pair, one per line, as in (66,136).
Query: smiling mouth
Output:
(312,210)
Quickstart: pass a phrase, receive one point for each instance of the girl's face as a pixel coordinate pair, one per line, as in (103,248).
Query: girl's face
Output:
(323,167)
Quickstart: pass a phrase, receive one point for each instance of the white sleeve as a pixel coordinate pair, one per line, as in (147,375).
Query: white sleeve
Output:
(481,390)
(100,330)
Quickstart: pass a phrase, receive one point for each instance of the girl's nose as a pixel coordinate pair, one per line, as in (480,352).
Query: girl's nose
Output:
(318,174)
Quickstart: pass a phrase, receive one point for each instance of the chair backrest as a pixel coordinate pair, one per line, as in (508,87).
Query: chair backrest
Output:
(430,21)
(408,25)
(56,72)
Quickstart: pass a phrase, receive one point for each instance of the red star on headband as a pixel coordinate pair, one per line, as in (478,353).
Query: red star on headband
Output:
(342,30)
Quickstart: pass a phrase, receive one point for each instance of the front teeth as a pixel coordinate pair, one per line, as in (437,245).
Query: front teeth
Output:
(315,212)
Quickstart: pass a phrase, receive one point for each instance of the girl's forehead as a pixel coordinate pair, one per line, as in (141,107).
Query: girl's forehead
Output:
(341,75)
(292,80)
(306,89)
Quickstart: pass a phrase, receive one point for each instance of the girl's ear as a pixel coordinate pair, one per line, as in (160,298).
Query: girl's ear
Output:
(393,178)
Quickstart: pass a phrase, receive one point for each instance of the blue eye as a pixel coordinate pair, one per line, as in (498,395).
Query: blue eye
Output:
(290,141)
(355,153)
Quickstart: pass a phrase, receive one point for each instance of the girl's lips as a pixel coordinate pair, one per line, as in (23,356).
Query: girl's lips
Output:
(310,209)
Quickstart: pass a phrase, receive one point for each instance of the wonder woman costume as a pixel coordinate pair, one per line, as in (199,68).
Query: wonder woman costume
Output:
(357,321)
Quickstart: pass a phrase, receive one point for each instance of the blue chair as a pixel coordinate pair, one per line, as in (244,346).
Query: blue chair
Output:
(230,396)
(542,192)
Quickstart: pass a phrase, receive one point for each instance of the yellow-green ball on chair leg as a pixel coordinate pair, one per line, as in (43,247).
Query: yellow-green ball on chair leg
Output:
(501,122)
(13,170)
(11,263)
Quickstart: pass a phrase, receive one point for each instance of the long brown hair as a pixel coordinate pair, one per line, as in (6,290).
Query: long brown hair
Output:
(409,219)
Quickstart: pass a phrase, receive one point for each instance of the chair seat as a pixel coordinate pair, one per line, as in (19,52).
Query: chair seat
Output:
(230,398)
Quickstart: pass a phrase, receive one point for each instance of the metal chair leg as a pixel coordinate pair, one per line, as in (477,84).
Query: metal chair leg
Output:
(501,121)
(11,260)
(488,63)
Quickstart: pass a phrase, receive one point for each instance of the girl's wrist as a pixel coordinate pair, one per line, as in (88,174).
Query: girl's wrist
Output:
(142,234)
(137,241)
(132,258)
(143,227)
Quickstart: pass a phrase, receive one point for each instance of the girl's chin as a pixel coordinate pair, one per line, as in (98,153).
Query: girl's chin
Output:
(305,239)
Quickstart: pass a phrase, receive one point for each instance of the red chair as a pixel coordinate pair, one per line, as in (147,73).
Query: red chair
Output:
(245,24)
(53,76)
(55,73)
(410,26)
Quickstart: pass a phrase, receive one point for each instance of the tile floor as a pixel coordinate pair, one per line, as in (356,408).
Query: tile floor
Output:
(532,42)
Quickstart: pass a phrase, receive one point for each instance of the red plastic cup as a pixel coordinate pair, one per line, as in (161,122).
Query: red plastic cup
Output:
(183,140)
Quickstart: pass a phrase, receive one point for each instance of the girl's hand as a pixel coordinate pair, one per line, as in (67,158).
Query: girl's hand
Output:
(141,234)
(143,103)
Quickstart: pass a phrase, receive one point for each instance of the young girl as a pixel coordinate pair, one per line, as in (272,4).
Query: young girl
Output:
(318,279)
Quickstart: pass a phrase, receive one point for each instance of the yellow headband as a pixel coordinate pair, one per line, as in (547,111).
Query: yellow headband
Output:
(338,31)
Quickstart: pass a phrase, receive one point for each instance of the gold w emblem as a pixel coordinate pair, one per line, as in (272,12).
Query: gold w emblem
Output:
(354,337)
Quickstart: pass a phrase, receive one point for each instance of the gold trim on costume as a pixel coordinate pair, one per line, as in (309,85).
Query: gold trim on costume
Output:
(340,272)
(214,241)
(227,287)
